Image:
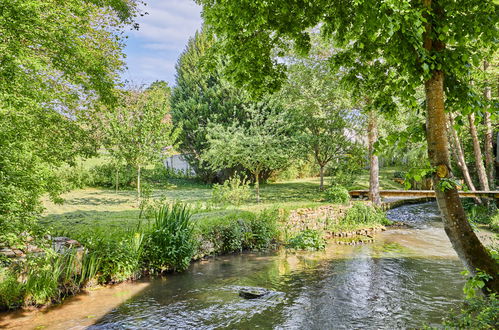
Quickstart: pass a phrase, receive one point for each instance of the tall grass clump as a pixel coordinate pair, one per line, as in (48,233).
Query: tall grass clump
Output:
(113,255)
(362,215)
(169,244)
(44,279)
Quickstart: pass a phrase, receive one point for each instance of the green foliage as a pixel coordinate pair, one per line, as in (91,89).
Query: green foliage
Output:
(308,239)
(234,191)
(11,290)
(58,61)
(41,280)
(337,195)
(169,244)
(474,283)
(265,141)
(447,184)
(140,131)
(321,108)
(203,95)
(476,313)
(105,175)
(240,231)
(113,255)
(345,172)
(363,214)
(482,214)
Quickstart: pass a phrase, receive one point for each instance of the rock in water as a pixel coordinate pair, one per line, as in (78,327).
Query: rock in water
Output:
(252,293)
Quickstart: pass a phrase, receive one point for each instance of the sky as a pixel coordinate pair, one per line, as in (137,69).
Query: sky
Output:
(153,50)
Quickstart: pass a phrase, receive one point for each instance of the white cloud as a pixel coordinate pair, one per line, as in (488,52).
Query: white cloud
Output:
(162,35)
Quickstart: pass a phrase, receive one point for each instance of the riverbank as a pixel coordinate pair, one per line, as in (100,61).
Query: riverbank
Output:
(403,269)
(121,254)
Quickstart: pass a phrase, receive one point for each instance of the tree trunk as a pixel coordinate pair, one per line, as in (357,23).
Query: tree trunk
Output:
(372,136)
(468,247)
(489,154)
(459,155)
(322,177)
(117,181)
(482,176)
(138,181)
(257,186)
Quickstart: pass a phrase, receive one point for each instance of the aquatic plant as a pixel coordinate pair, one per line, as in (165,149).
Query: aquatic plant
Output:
(308,239)
(169,244)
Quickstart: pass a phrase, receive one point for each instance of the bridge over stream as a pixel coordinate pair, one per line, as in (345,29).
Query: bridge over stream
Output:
(423,193)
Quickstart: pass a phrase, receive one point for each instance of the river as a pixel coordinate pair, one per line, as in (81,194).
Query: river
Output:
(406,278)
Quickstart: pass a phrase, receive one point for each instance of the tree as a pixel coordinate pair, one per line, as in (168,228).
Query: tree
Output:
(57,61)
(265,141)
(459,154)
(202,95)
(140,129)
(320,106)
(425,41)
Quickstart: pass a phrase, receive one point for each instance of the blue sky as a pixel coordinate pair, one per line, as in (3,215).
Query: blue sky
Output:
(153,50)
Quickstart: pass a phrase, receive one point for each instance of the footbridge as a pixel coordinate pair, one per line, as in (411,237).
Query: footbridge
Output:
(423,193)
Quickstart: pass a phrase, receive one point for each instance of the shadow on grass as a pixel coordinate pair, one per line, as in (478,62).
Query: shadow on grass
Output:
(81,220)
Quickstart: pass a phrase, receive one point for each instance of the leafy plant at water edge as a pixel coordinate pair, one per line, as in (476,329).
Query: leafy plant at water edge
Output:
(477,312)
(337,195)
(112,256)
(362,214)
(308,239)
(169,244)
(240,231)
(11,291)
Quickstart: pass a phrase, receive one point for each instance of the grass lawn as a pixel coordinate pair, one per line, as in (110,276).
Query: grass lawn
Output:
(93,207)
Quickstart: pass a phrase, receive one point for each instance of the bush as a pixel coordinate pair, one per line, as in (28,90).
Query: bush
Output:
(11,291)
(105,175)
(264,230)
(476,313)
(240,231)
(113,256)
(169,245)
(234,191)
(308,239)
(337,195)
(361,215)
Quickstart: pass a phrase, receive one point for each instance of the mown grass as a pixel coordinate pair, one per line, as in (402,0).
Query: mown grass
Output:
(94,207)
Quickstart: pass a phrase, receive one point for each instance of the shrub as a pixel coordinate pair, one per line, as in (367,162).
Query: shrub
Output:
(478,312)
(169,245)
(234,191)
(105,175)
(337,195)
(112,256)
(308,239)
(11,291)
(264,230)
(363,214)
(241,230)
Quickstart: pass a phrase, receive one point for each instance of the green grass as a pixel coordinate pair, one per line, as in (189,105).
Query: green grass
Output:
(93,207)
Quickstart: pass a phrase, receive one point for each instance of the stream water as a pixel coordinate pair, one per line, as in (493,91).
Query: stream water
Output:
(408,277)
